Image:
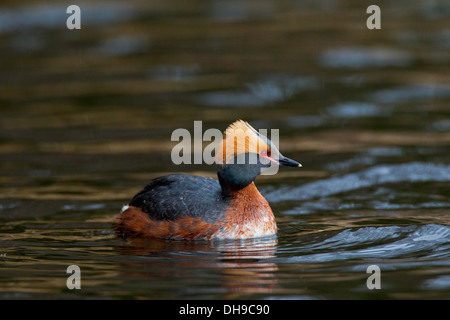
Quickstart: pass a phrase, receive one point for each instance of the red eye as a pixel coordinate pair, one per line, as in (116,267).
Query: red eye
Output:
(265,154)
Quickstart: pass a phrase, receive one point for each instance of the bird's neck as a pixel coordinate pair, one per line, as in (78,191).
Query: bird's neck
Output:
(234,178)
(249,214)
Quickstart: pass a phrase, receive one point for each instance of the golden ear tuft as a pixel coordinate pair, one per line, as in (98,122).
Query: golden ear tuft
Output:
(242,125)
(240,137)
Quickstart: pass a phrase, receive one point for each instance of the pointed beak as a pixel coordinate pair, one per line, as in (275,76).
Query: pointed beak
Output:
(288,162)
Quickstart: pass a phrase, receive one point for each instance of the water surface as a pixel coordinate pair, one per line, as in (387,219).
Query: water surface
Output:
(86,118)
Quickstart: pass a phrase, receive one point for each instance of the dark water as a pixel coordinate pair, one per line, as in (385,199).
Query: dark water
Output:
(86,118)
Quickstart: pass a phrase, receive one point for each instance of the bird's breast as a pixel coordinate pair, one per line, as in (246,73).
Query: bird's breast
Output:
(249,215)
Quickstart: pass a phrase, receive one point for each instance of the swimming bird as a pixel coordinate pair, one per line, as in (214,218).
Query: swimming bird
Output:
(180,206)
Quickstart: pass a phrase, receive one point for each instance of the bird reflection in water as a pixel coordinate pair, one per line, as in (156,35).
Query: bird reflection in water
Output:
(242,266)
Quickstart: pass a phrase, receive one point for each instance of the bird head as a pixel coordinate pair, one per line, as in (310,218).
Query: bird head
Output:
(242,144)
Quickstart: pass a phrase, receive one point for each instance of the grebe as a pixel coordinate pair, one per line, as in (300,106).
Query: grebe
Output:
(180,206)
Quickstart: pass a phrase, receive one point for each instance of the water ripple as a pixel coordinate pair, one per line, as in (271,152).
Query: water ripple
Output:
(410,241)
(361,57)
(409,93)
(381,174)
(269,89)
(53,16)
